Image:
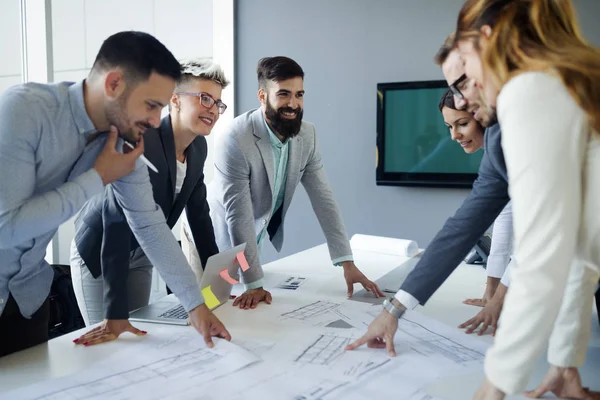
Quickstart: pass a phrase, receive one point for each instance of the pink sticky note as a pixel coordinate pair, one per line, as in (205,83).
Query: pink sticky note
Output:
(225,275)
(241,258)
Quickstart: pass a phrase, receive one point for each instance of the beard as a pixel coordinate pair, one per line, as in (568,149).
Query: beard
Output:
(288,128)
(116,114)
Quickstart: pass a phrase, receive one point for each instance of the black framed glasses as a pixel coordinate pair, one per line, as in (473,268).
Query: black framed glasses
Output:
(207,100)
(458,85)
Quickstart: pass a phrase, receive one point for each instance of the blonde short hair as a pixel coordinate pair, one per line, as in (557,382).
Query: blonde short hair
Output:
(204,69)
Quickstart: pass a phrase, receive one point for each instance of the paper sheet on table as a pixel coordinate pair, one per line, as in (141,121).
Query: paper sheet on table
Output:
(330,314)
(160,366)
(312,364)
(384,245)
(274,380)
(426,349)
(449,348)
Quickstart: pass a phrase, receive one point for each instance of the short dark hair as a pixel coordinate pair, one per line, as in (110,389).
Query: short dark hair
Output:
(138,54)
(444,51)
(448,100)
(277,69)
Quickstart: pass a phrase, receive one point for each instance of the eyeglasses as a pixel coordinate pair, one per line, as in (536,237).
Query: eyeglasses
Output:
(454,87)
(207,100)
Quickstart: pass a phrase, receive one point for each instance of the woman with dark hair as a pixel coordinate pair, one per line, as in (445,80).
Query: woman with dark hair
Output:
(529,59)
(468,132)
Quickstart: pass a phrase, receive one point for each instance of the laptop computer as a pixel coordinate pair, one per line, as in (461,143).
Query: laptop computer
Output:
(168,310)
(389,283)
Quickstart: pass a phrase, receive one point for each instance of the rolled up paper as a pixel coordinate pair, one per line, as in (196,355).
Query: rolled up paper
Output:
(225,275)
(241,259)
(384,245)
(210,299)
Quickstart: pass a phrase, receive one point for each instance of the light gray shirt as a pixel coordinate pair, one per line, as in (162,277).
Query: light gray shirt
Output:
(47,176)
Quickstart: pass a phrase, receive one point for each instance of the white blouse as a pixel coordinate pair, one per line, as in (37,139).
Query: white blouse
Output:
(180,176)
(553,161)
(502,246)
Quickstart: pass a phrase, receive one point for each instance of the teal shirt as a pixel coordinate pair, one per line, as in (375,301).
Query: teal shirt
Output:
(281,152)
(280,157)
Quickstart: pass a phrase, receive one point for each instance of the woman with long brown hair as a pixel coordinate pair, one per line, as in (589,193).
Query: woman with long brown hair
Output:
(531,62)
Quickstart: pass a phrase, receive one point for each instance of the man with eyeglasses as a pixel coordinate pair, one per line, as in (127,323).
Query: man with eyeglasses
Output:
(460,233)
(259,161)
(111,273)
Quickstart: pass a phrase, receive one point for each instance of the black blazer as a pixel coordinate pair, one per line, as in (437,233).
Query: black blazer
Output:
(101,229)
(461,232)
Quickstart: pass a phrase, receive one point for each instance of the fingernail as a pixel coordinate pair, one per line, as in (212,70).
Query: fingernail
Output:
(144,332)
(75,340)
(85,343)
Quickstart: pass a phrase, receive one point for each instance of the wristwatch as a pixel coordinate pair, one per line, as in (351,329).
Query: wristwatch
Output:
(392,309)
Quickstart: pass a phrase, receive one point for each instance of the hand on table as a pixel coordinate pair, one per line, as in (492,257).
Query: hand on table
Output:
(489,392)
(110,329)
(490,314)
(250,298)
(208,325)
(488,317)
(353,275)
(490,291)
(380,334)
(477,302)
(565,383)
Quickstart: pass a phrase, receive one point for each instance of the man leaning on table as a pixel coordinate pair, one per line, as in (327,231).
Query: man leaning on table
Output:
(259,162)
(61,144)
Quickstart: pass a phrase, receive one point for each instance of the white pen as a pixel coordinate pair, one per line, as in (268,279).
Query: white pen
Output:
(143,158)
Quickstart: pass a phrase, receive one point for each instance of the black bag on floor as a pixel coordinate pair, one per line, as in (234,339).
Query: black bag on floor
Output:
(65,316)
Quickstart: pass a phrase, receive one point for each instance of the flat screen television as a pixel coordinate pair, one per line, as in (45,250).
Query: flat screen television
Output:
(414,147)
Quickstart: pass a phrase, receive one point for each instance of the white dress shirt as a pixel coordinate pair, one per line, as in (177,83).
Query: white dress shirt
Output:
(553,161)
(502,246)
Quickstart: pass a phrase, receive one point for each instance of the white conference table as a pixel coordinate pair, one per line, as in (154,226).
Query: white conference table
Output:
(60,357)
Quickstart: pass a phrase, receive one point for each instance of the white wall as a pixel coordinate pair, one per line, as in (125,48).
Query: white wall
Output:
(10,45)
(80,26)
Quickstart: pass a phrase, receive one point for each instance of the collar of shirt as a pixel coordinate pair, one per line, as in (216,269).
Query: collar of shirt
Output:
(275,142)
(84,124)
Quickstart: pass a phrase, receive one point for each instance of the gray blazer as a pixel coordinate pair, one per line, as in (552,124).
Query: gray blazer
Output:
(461,232)
(241,194)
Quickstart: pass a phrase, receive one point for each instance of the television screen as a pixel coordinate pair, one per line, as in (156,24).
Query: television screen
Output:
(414,147)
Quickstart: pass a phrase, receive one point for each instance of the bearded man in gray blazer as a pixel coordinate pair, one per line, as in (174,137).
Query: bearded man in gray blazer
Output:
(259,161)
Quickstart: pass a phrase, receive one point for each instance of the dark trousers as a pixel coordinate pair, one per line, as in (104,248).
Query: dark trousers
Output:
(17,332)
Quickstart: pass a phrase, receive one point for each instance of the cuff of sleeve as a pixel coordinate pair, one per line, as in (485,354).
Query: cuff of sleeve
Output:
(90,182)
(509,383)
(496,265)
(407,300)
(567,359)
(338,261)
(506,277)
(190,298)
(254,285)
(118,310)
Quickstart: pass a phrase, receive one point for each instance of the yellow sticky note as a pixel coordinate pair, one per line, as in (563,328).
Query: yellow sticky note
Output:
(210,299)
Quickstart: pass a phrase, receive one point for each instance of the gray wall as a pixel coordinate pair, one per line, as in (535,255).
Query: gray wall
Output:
(346,47)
